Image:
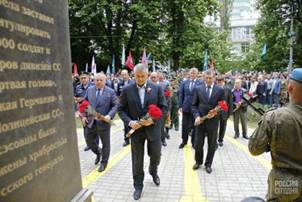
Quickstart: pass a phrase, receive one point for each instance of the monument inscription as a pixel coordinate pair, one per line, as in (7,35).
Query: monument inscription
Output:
(39,159)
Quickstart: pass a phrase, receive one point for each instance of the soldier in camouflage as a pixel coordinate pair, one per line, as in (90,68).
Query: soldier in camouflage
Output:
(280,133)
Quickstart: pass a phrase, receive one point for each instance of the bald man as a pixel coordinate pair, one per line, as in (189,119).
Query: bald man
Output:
(104,101)
(280,132)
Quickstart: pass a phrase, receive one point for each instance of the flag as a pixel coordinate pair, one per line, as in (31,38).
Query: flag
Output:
(93,66)
(129,61)
(153,65)
(75,69)
(123,56)
(113,65)
(86,68)
(263,53)
(205,62)
(144,58)
(108,70)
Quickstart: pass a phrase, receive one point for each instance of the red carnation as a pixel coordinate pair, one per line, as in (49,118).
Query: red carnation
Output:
(83,106)
(167,93)
(154,112)
(223,105)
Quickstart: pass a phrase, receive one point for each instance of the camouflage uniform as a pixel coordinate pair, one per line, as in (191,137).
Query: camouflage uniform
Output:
(280,132)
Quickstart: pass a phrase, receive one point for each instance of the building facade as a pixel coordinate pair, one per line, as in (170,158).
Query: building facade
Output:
(242,18)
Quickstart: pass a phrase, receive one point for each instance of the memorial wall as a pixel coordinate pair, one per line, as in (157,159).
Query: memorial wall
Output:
(39,158)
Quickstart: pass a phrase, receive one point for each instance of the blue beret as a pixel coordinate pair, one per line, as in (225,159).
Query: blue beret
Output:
(296,75)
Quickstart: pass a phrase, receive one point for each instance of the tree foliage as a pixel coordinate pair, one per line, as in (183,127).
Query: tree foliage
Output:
(273,29)
(170,29)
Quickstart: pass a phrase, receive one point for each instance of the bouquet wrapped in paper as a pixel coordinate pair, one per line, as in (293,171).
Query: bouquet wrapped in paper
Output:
(154,113)
(85,107)
(222,106)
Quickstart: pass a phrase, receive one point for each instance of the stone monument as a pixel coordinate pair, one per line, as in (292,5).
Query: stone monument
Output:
(39,159)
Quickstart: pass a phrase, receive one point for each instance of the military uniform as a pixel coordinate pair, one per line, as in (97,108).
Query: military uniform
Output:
(79,94)
(280,132)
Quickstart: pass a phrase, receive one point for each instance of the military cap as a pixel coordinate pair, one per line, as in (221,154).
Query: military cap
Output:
(296,75)
(83,73)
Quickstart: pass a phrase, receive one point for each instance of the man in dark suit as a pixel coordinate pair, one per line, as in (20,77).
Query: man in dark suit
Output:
(134,102)
(223,116)
(104,101)
(206,98)
(124,82)
(185,104)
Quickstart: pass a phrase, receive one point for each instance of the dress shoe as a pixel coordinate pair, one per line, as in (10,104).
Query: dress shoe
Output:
(182,145)
(97,160)
(126,143)
(156,179)
(137,194)
(208,169)
(167,136)
(236,136)
(176,129)
(246,137)
(87,148)
(220,144)
(102,167)
(196,166)
(164,143)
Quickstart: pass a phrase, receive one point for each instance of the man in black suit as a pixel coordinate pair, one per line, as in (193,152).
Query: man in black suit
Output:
(185,104)
(134,102)
(205,98)
(124,82)
(223,116)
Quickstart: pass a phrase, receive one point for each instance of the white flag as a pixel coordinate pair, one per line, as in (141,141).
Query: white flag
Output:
(123,55)
(93,66)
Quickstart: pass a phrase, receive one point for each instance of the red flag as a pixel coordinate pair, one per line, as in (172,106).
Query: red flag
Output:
(129,62)
(75,69)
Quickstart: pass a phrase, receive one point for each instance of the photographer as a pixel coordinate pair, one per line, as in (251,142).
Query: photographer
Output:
(280,132)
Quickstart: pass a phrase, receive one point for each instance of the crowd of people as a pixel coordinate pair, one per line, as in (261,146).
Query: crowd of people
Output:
(190,93)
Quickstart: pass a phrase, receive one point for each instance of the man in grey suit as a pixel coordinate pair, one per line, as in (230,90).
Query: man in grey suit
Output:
(104,101)
(134,102)
(206,98)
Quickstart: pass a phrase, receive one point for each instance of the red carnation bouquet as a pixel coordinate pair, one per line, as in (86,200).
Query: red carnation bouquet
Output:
(154,113)
(222,106)
(86,107)
(167,93)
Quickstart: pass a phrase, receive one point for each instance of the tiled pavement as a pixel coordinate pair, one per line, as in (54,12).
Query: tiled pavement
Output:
(236,174)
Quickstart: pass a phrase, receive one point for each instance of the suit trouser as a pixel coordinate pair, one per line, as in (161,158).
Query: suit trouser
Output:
(222,128)
(242,115)
(104,134)
(126,130)
(86,136)
(162,126)
(137,153)
(187,127)
(174,118)
(276,99)
(209,128)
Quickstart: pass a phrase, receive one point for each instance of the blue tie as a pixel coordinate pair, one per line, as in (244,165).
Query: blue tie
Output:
(208,92)
(98,94)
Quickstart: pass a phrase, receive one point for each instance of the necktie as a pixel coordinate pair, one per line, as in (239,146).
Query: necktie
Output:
(191,85)
(98,93)
(208,92)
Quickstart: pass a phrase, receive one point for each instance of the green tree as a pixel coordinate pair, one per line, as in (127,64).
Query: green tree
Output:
(273,29)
